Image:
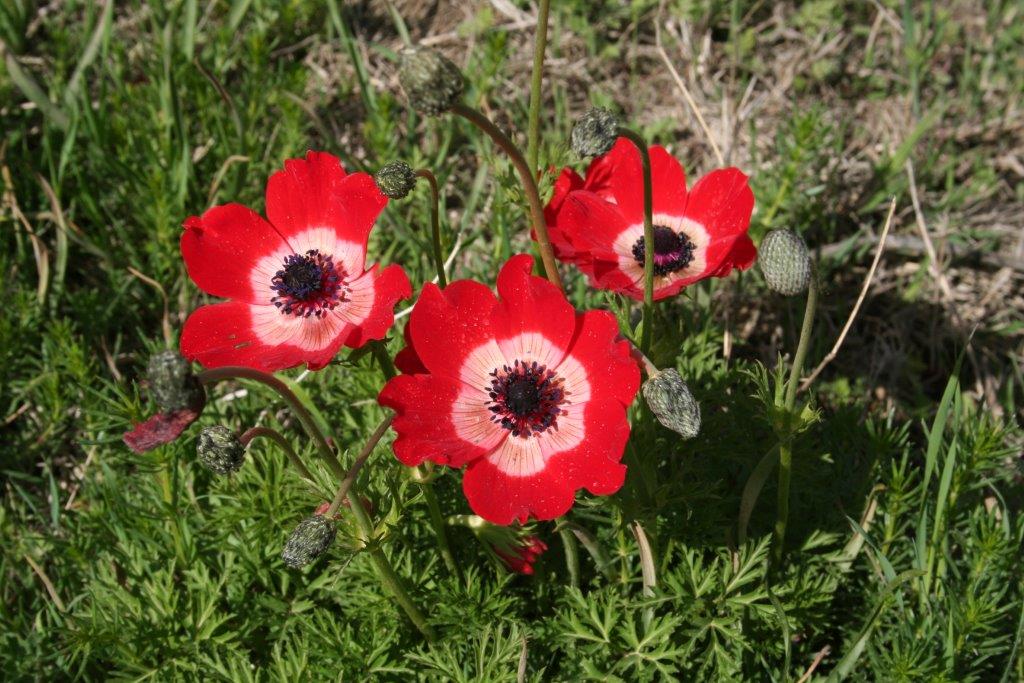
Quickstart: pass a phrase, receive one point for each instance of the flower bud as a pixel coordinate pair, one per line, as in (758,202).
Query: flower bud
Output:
(395,180)
(219,450)
(672,403)
(310,539)
(595,132)
(785,262)
(432,83)
(173,385)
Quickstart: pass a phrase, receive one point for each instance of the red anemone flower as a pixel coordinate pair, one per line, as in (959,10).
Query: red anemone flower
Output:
(298,284)
(525,392)
(598,223)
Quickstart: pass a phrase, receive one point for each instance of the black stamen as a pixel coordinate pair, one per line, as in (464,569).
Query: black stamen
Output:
(525,398)
(308,284)
(672,251)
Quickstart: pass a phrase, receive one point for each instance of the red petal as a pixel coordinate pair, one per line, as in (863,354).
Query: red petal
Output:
(428,408)
(447,324)
(611,371)
(619,174)
(722,202)
(390,285)
(406,360)
(593,464)
(592,224)
(567,181)
(222,334)
(316,192)
(221,248)
(606,274)
(502,499)
(531,304)
(160,429)
(741,256)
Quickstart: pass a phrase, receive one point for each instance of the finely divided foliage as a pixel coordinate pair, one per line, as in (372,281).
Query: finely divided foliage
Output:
(367,476)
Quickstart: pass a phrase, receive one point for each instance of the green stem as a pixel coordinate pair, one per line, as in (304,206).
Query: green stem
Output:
(536,81)
(435,224)
(540,228)
(786,443)
(437,521)
(805,340)
(385,571)
(645,165)
(353,472)
(785,472)
(572,556)
(215,375)
(279,439)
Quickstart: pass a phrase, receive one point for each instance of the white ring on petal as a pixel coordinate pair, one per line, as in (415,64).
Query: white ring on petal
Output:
(694,231)
(272,327)
(531,346)
(472,422)
(523,456)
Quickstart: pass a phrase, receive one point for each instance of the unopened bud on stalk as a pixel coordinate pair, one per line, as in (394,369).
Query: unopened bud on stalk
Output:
(395,179)
(219,450)
(595,132)
(785,262)
(311,538)
(432,83)
(672,403)
(173,385)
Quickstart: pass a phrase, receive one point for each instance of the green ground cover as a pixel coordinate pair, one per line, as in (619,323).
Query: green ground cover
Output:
(905,537)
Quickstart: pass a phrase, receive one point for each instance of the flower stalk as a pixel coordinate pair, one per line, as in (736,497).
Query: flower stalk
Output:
(648,310)
(215,375)
(526,176)
(437,522)
(435,224)
(353,471)
(786,443)
(278,438)
(386,572)
(536,81)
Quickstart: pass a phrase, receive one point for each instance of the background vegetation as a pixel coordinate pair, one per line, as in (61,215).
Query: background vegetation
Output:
(121,119)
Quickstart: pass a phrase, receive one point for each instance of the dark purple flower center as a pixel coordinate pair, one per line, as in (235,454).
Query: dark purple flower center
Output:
(308,284)
(672,251)
(526,398)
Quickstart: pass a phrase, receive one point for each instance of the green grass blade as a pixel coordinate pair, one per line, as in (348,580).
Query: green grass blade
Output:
(31,90)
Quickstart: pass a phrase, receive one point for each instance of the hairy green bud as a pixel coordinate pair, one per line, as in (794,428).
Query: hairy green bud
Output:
(432,83)
(785,262)
(311,538)
(395,179)
(219,450)
(173,385)
(595,132)
(672,403)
